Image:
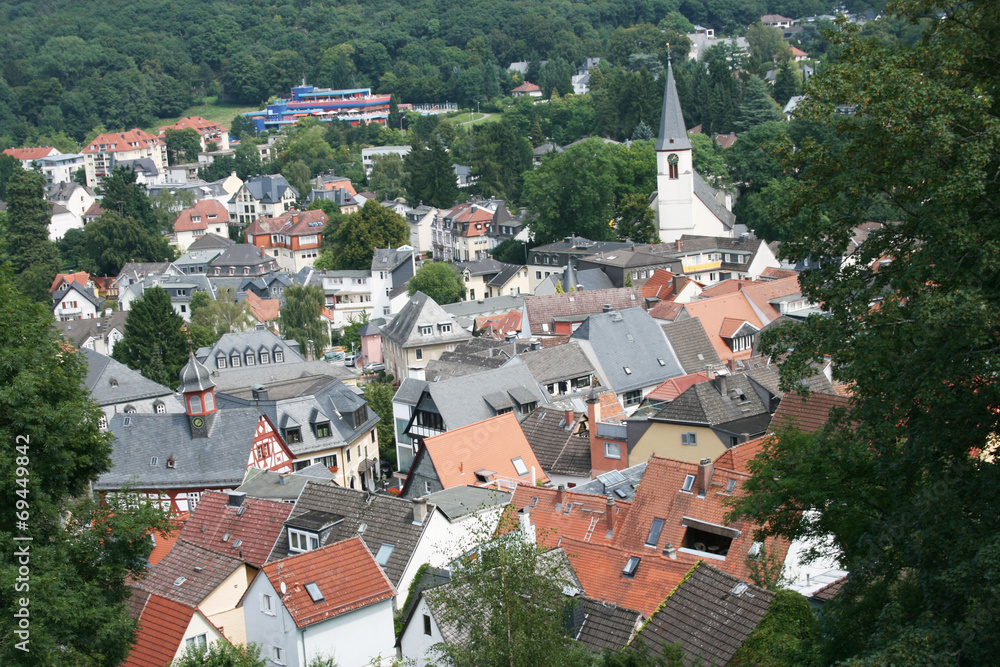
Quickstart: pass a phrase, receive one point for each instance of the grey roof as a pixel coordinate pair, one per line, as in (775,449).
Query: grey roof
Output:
(142,165)
(110,382)
(586,280)
(268,188)
(410,390)
(466,312)
(198,257)
(312,401)
(613,486)
(211,241)
(421,310)
(629,348)
(194,376)
(460,501)
(272,485)
(82,291)
(692,345)
(203,570)
(235,380)
(673,134)
(387,259)
(607,627)
(257,340)
(65,191)
(556,444)
(708,195)
(141,269)
(727,398)
(710,615)
(78,331)
(369,329)
(241,254)
(559,362)
(379,519)
(220,460)
(473,356)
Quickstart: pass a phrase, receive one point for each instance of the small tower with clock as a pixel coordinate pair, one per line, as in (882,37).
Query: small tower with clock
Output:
(199,397)
(675,210)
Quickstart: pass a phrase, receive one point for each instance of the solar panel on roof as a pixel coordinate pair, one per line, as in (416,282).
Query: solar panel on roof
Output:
(611,478)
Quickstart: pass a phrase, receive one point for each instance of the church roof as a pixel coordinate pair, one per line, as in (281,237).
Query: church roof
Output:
(195,377)
(673,135)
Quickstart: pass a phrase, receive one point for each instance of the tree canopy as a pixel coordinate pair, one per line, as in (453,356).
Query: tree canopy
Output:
(154,343)
(35,259)
(301,318)
(440,281)
(359,233)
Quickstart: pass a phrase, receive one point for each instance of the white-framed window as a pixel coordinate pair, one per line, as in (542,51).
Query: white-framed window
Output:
(267,604)
(160,408)
(426,330)
(279,356)
(299,541)
(265,358)
(519,466)
(632,397)
(420,354)
(689,438)
(250,359)
(102,423)
(427,487)
(199,642)
(612,450)
(445,328)
(688,483)
(278,655)
(236,361)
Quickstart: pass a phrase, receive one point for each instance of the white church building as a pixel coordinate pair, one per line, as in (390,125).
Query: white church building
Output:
(684,202)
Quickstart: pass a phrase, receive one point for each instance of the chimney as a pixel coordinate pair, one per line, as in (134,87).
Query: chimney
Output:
(678,245)
(236,498)
(259,392)
(561,493)
(419,510)
(282,479)
(670,551)
(536,345)
(569,416)
(608,308)
(704,476)
(611,515)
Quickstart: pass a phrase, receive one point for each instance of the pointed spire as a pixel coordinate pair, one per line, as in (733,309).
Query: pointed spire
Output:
(195,376)
(673,134)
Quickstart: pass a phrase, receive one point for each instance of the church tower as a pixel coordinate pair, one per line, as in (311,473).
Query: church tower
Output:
(675,211)
(199,397)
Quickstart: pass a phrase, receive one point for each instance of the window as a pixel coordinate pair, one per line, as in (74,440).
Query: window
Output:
(279,356)
(236,361)
(323,430)
(426,330)
(267,604)
(612,450)
(348,453)
(102,423)
(327,461)
(526,408)
(689,438)
(200,642)
(293,435)
(300,541)
(538,275)
(427,625)
(384,552)
(631,566)
(427,487)
(688,483)
(278,655)
(632,397)
(654,532)
(160,408)
(420,354)
(195,404)
(445,328)
(628,371)
(730,486)
(519,466)
(265,358)
(209,402)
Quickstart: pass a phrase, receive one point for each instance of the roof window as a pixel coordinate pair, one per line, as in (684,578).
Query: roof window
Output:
(384,552)
(314,592)
(519,466)
(631,566)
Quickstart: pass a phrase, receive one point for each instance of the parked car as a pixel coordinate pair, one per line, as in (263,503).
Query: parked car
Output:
(351,360)
(374,367)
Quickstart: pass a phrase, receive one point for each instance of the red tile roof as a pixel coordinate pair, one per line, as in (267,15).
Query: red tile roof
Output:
(35,153)
(497,326)
(725,140)
(736,458)
(611,408)
(730,325)
(165,541)
(202,570)
(830,591)
(119,141)
(714,311)
(659,286)
(771,272)
(599,569)
(161,629)
(799,53)
(345,573)
(264,310)
(490,444)
(257,527)
(809,414)
(674,387)
(80,278)
(761,292)
(586,519)
(526,87)
(542,309)
(291,223)
(203,209)
(197,123)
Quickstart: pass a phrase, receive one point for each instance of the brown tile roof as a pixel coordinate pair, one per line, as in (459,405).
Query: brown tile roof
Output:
(674,387)
(264,310)
(611,408)
(526,87)
(218,526)
(558,445)
(202,209)
(773,273)
(345,573)
(809,414)
(710,615)
(542,309)
(586,519)
(736,458)
(114,142)
(599,569)
(290,222)
(33,153)
(80,278)
(182,562)
(197,123)
(490,444)
(830,591)
(659,286)
(161,628)
(608,626)
(499,325)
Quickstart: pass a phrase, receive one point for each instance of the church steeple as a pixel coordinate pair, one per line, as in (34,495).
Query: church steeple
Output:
(673,134)
(199,396)
(675,199)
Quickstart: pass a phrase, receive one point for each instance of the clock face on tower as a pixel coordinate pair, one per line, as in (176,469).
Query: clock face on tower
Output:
(672,158)
(198,422)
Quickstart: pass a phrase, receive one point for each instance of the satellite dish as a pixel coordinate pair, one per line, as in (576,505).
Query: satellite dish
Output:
(283,588)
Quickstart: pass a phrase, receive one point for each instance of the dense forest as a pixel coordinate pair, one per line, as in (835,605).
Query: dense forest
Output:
(67,68)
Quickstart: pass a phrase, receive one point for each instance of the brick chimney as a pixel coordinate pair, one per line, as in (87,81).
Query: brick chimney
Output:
(570,416)
(705,470)
(611,516)
(593,417)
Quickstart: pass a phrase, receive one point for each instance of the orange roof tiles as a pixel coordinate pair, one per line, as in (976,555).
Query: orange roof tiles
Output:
(202,210)
(586,519)
(490,444)
(674,387)
(761,292)
(730,326)
(611,408)
(809,414)
(290,222)
(659,286)
(714,311)
(197,123)
(165,541)
(736,458)
(34,153)
(771,272)
(799,53)
(599,569)
(526,87)
(264,310)
(497,326)
(218,526)
(345,573)
(731,286)
(161,628)
(114,142)
(80,278)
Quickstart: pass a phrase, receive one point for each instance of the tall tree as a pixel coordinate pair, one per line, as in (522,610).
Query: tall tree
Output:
(904,486)
(301,318)
(500,156)
(154,338)
(636,220)
(113,240)
(182,145)
(68,580)
(432,176)
(35,259)
(374,226)
(379,395)
(440,281)
(388,177)
(758,106)
(125,196)
(219,316)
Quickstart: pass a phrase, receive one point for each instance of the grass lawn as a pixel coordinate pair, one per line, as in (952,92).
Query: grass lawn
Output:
(473,118)
(220,112)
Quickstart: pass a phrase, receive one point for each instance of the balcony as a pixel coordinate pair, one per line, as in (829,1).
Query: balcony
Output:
(706,266)
(423,431)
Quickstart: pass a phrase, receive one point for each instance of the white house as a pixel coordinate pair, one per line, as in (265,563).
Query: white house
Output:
(368,155)
(74,302)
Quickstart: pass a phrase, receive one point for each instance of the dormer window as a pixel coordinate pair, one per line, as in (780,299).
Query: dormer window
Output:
(265,358)
(236,361)
(279,356)
(631,566)
(220,361)
(426,330)
(293,435)
(251,360)
(445,328)
(300,541)
(323,430)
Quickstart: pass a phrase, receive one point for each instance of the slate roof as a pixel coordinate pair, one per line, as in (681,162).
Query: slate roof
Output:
(629,349)
(162,625)
(809,414)
(691,344)
(612,486)
(420,309)
(562,362)
(587,280)
(542,310)
(183,561)
(268,188)
(210,242)
(607,627)
(218,526)
(673,135)
(460,501)
(257,341)
(386,520)
(79,331)
(110,382)
(708,616)
(707,194)
(268,483)
(568,514)
(241,254)
(235,381)
(345,573)
(557,445)
(85,293)
(220,460)
(724,400)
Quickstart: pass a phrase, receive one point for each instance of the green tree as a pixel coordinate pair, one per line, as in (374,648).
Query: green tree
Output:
(765,42)
(906,476)
(9,165)
(500,156)
(379,395)
(72,247)
(374,226)
(636,220)
(82,552)
(242,128)
(154,338)
(125,196)
(785,637)
(182,145)
(787,82)
(113,240)
(34,258)
(758,107)
(708,160)
(298,176)
(389,176)
(301,318)
(218,316)
(511,251)
(432,176)
(440,281)
(221,654)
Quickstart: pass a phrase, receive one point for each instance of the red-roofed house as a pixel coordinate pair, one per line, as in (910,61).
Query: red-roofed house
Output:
(166,629)
(738,457)
(492,452)
(223,519)
(527,89)
(498,326)
(560,513)
(64,280)
(207,216)
(294,237)
(101,154)
(674,387)
(164,542)
(560,314)
(264,311)
(29,155)
(807,413)
(213,136)
(330,602)
(799,54)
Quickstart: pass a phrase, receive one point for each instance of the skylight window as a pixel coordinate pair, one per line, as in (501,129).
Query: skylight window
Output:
(654,532)
(384,552)
(628,371)
(519,466)
(730,485)
(179,580)
(631,566)
(314,592)
(660,361)
(688,483)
